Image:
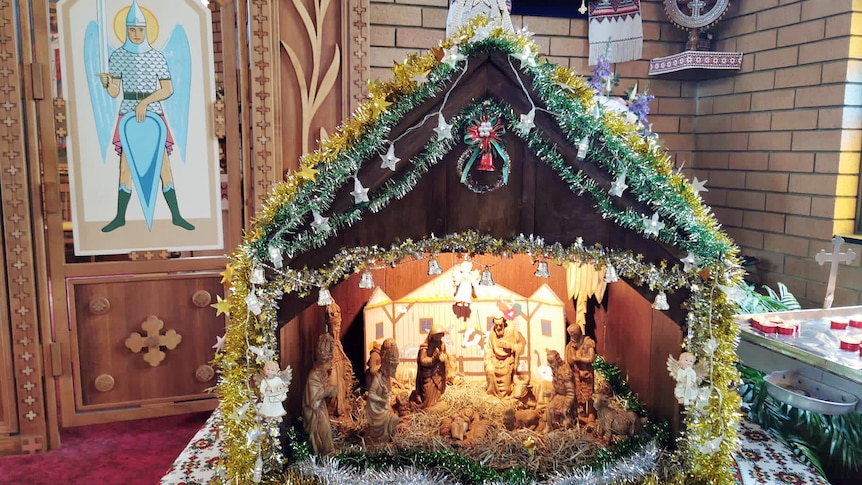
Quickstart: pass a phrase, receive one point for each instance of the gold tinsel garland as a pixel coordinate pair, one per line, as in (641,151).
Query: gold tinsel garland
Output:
(236,365)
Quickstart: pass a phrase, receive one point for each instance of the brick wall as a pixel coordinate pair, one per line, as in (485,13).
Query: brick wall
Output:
(779,141)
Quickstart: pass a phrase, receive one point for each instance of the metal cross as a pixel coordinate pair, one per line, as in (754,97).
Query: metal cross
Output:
(834,257)
(695,7)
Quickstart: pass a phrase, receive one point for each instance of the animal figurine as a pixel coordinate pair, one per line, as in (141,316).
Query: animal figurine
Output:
(613,422)
(522,418)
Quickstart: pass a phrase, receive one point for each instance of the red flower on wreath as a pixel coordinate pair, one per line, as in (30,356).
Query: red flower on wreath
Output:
(485,134)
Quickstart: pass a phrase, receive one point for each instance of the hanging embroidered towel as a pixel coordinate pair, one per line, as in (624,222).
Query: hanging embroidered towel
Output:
(616,24)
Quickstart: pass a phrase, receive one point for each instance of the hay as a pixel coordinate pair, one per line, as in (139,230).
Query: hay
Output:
(555,452)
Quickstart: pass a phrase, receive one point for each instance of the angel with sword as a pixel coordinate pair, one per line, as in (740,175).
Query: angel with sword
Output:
(141,76)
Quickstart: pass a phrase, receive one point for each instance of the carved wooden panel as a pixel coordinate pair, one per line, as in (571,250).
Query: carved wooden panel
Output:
(20,276)
(149,320)
(309,67)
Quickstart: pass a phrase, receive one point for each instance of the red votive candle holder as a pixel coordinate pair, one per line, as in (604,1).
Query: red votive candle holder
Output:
(856,322)
(790,329)
(850,344)
(757,320)
(838,324)
(769,327)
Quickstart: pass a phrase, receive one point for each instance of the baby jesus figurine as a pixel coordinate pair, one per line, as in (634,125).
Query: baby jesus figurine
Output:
(273,390)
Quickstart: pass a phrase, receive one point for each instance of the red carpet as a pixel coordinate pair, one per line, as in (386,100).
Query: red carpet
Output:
(125,453)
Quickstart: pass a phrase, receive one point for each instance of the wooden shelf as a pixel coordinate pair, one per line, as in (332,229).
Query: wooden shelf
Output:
(696,65)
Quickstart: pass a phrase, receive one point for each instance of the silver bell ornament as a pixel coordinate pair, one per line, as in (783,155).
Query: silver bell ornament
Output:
(486,279)
(366,282)
(434,267)
(323,297)
(611,275)
(660,302)
(542,271)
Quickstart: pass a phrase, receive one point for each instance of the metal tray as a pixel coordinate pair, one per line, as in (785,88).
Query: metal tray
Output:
(801,392)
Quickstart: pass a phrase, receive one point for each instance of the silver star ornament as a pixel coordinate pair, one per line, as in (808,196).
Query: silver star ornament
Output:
(389,160)
(452,56)
(527,122)
(320,223)
(443,130)
(360,193)
(618,186)
(698,185)
(526,56)
(653,225)
(689,262)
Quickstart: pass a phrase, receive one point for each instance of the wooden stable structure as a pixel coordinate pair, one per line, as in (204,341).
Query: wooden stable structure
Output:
(540,319)
(535,201)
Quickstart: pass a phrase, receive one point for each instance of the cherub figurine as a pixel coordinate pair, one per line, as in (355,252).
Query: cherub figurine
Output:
(465,277)
(687,375)
(273,390)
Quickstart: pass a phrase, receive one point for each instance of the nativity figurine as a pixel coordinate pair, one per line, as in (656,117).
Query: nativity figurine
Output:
(614,422)
(273,390)
(382,419)
(561,408)
(318,388)
(342,370)
(502,354)
(465,278)
(372,366)
(688,377)
(580,354)
(431,362)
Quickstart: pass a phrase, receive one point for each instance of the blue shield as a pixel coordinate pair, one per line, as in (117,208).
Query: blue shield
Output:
(144,147)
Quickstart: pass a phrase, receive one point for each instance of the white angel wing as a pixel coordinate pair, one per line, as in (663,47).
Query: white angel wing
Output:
(286,375)
(672,366)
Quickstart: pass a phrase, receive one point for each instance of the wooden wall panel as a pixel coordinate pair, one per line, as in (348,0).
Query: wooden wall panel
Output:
(639,340)
(110,310)
(19,95)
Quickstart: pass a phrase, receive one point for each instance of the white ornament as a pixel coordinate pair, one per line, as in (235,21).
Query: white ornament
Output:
(526,56)
(443,130)
(618,186)
(690,262)
(653,225)
(324,297)
(452,56)
(253,304)
(258,277)
(660,302)
(583,147)
(360,193)
(276,257)
(698,185)
(389,160)
(320,224)
(611,275)
(219,345)
(481,33)
(527,122)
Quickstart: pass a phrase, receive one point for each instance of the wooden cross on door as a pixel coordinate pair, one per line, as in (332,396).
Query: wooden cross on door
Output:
(154,340)
(834,257)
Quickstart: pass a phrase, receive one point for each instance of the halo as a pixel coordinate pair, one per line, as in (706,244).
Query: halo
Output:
(120,25)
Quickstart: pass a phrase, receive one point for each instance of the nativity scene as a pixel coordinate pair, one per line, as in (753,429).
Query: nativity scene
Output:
(504,335)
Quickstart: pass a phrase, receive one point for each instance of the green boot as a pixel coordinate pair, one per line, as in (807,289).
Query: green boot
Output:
(176,218)
(123,196)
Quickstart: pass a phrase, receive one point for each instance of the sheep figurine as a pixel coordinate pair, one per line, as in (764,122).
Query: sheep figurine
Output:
(613,422)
